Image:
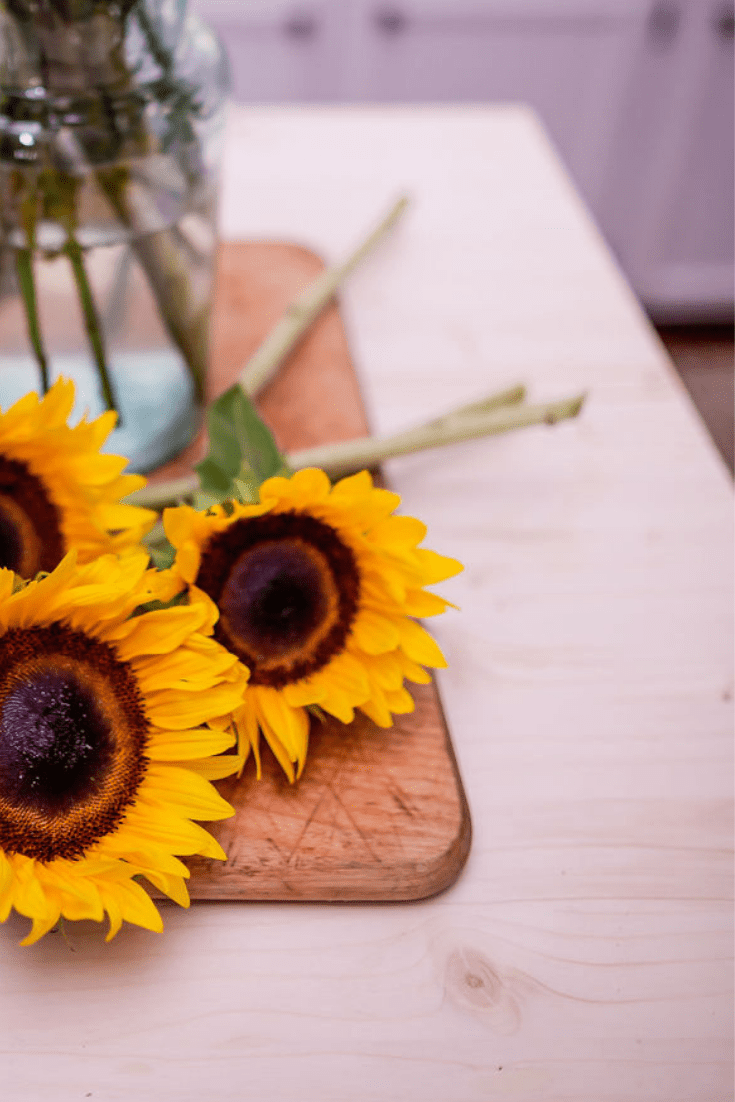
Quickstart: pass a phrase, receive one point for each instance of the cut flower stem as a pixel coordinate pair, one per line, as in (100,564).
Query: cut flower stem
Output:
(464,424)
(305,308)
(27,284)
(502,412)
(92,324)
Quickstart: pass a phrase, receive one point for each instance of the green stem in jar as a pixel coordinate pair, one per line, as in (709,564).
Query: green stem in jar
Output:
(58,192)
(168,271)
(91,321)
(27,284)
(28,209)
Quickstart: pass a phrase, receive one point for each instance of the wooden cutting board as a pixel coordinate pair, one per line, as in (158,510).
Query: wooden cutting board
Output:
(377,815)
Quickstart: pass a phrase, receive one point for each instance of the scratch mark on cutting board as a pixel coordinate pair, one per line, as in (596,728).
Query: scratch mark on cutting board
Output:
(361,833)
(306,825)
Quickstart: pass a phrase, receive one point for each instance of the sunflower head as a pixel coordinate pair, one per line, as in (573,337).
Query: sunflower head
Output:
(105,748)
(57,491)
(318,588)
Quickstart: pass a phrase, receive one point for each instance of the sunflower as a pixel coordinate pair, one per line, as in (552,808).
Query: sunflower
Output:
(104,758)
(317,587)
(57,491)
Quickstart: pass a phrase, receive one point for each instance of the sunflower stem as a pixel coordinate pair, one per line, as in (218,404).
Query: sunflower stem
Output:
(27,283)
(503,412)
(368,451)
(305,308)
(175,491)
(167,268)
(91,322)
(510,397)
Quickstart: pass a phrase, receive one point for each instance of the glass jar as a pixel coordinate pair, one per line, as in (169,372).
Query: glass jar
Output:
(111,119)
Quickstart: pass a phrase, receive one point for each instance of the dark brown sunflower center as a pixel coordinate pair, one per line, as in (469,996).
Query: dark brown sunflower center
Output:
(73,733)
(275,596)
(55,741)
(287,589)
(30,532)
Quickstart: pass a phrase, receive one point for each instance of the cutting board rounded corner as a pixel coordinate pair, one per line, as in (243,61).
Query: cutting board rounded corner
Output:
(378,814)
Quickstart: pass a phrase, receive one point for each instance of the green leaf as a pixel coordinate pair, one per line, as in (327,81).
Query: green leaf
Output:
(162,556)
(242,451)
(213,479)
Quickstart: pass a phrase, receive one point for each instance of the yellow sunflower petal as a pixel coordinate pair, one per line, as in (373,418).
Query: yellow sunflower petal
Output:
(246,726)
(375,633)
(279,751)
(377,710)
(29,898)
(301,760)
(352,578)
(42,923)
(139,851)
(69,493)
(277,719)
(356,486)
(436,568)
(59,402)
(197,742)
(172,886)
(184,791)
(178,524)
(340,705)
(384,584)
(303,488)
(7,581)
(412,671)
(188,560)
(420,603)
(218,767)
(7,878)
(164,584)
(79,893)
(74,666)
(419,645)
(158,632)
(387,670)
(398,533)
(370,504)
(185,668)
(112,909)
(300,694)
(134,905)
(174,710)
(399,701)
(149,827)
(348,675)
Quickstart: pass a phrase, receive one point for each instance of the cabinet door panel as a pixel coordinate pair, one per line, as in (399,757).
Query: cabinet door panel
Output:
(668,204)
(568,61)
(706,151)
(281,51)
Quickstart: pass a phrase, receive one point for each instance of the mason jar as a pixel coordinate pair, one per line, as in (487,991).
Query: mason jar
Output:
(111,125)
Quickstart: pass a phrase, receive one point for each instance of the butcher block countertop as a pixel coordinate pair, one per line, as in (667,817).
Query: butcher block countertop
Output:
(584,951)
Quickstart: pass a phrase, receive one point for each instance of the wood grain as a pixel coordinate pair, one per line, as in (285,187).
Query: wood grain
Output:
(585,953)
(377,815)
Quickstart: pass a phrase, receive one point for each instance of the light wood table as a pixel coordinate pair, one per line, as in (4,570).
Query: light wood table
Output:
(584,954)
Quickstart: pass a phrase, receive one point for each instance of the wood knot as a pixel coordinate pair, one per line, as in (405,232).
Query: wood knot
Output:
(474,985)
(473,979)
